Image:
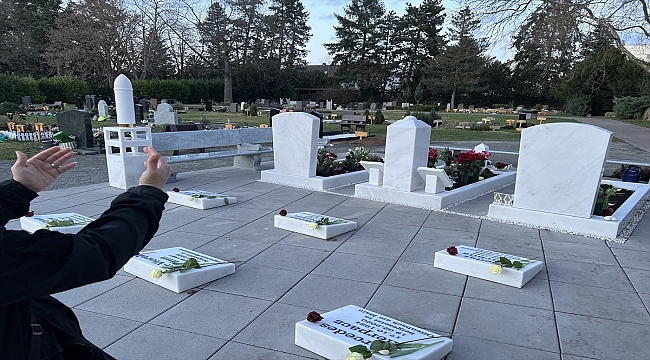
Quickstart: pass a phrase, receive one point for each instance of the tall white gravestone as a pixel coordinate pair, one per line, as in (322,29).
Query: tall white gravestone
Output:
(407,145)
(102,109)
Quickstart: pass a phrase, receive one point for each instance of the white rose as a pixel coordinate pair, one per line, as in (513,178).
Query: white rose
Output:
(496,269)
(313,226)
(156,273)
(354,356)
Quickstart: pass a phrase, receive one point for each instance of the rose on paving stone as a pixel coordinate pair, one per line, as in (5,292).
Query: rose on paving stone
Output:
(176,190)
(283,212)
(452,250)
(31,213)
(496,269)
(314,317)
(313,225)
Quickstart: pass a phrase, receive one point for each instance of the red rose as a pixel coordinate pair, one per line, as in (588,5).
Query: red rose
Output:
(314,317)
(283,212)
(175,189)
(607,212)
(29,214)
(452,250)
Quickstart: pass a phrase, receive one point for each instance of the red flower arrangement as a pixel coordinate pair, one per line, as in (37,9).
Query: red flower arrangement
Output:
(433,156)
(452,250)
(314,317)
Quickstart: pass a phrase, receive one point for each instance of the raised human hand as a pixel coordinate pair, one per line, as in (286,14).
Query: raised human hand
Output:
(157,170)
(40,171)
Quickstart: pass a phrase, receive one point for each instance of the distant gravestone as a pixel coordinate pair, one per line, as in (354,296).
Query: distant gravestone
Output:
(373,107)
(320,105)
(88,102)
(154,103)
(298,106)
(460,106)
(234,107)
(448,107)
(26,100)
(347,112)
(77,123)
(208,105)
(102,109)
(407,144)
(145,106)
(565,184)
(349,106)
(79,102)
(328,104)
(266,103)
(165,114)
(139,112)
(360,106)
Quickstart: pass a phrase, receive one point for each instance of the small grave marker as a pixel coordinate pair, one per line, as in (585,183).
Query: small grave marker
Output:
(477,262)
(199,199)
(303,223)
(143,264)
(56,222)
(351,325)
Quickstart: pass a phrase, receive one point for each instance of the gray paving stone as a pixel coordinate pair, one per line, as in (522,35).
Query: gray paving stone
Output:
(548,235)
(82,294)
(632,259)
(329,293)
(527,327)
(427,278)
(536,293)
(478,206)
(501,229)
(91,210)
(442,220)
(640,280)
(257,282)
(424,309)
(260,230)
(599,303)
(174,218)
(178,238)
(103,330)
(161,343)
(590,274)
(646,300)
(421,253)
(355,267)
(387,232)
(213,313)
(467,347)
(212,226)
(600,254)
(444,237)
(403,215)
(360,215)
(584,336)
(53,206)
(137,300)
(297,239)
(275,329)
(234,350)
(238,212)
(372,246)
(292,258)
(233,249)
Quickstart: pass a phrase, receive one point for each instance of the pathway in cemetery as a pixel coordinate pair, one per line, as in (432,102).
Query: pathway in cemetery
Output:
(589,302)
(638,136)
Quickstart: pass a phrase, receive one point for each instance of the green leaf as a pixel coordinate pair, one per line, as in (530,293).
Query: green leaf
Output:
(410,351)
(225,200)
(517,265)
(358,348)
(504,260)
(379,345)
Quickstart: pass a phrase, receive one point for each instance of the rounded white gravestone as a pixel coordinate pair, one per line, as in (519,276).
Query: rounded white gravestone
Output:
(124,100)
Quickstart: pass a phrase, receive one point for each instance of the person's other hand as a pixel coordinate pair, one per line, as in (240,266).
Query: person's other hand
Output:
(157,171)
(40,171)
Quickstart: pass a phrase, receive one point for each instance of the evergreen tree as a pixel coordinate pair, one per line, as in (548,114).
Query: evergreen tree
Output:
(288,33)
(156,56)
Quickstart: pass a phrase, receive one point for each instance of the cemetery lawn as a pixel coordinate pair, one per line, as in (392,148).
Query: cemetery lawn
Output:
(643,123)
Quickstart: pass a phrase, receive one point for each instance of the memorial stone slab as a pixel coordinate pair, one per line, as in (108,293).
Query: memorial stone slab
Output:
(79,102)
(143,264)
(407,144)
(373,106)
(165,114)
(67,223)
(234,107)
(199,199)
(89,102)
(102,109)
(351,325)
(303,223)
(295,143)
(360,106)
(298,106)
(560,168)
(77,123)
(26,100)
(477,262)
(329,105)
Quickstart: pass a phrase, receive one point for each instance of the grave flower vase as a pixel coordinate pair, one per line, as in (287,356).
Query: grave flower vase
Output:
(598,209)
(463,179)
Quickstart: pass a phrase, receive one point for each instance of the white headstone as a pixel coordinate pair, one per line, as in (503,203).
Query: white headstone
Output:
(102,108)
(560,168)
(295,143)
(165,114)
(481,147)
(448,107)
(328,105)
(407,148)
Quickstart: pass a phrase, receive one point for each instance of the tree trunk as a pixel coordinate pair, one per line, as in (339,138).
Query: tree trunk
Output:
(227,81)
(453,97)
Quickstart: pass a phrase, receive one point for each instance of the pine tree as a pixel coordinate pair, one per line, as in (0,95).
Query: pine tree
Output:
(288,33)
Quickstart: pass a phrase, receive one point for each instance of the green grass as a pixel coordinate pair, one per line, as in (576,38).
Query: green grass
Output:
(444,133)
(643,123)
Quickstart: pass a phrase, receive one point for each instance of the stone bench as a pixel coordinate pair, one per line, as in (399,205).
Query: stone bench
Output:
(352,122)
(464,125)
(247,154)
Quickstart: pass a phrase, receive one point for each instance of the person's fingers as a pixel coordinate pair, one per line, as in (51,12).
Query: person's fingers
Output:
(66,167)
(21,159)
(59,156)
(45,154)
(152,161)
(150,150)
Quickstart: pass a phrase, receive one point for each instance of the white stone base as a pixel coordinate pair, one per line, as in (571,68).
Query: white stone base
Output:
(476,262)
(317,182)
(299,222)
(438,201)
(185,198)
(37,222)
(593,226)
(144,263)
(352,325)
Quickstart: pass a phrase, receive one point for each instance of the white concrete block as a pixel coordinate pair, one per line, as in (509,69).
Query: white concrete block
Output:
(199,199)
(295,144)
(407,148)
(476,262)
(375,171)
(315,182)
(436,180)
(36,222)
(300,223)
(351,325)
(143,264)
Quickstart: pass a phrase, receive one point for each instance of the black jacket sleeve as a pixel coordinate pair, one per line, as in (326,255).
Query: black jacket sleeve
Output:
(14,200)
(48,262)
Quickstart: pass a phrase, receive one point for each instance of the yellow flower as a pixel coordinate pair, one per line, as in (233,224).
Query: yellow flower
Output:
(313,226)
(496,269)
(156,273)
(354,356)
(190,198)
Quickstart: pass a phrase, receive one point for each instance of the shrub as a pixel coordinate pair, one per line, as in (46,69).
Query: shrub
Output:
(13,88)
(578,105)
(379,117)
(630,107)
(62,88)
(253,111)
(9,107)
(427,117)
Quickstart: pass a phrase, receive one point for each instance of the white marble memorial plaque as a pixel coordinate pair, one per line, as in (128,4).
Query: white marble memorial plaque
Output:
(199,199)
(143,264)
(55,222)
(304,223)
(477,262)
(351,325)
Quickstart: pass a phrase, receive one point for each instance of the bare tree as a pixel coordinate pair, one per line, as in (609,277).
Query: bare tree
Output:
(624,19)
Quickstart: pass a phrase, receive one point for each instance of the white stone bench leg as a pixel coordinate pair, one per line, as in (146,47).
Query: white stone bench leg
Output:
(248,162)
(375,172)
(433,184)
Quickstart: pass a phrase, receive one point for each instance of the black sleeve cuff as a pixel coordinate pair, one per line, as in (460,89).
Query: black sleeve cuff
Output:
(19,189)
